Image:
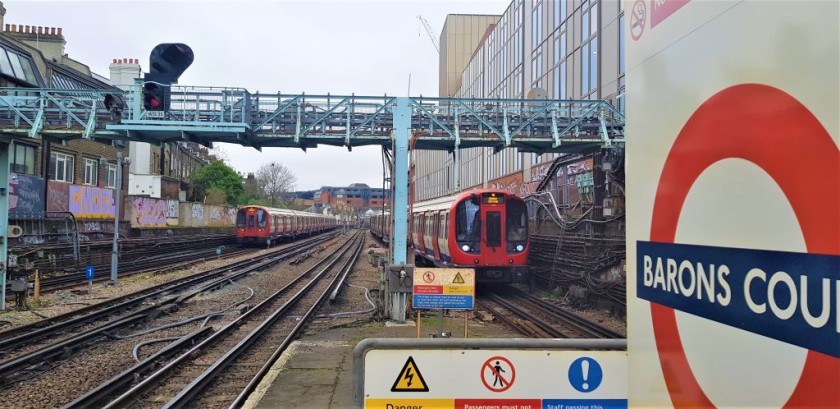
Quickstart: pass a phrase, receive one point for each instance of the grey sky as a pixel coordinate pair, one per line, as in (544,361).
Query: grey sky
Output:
(340,47)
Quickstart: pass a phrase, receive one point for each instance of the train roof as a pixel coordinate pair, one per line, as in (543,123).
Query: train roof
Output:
(444,203)
(291,212)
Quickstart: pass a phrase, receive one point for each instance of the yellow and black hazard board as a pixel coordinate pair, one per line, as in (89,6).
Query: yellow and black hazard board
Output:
(410,379)
(458,279)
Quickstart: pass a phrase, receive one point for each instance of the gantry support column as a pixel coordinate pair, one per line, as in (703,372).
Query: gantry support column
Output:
(402,125)
(4,215)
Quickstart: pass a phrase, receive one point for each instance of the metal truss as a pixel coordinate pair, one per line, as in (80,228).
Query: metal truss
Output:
(206,114)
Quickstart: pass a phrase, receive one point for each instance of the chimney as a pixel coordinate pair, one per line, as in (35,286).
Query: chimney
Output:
(48,40)
(124,71)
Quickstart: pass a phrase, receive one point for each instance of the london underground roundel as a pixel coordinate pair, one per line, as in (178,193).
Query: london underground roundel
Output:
(773,130)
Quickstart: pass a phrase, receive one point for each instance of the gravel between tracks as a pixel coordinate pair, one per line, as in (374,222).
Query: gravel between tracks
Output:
(88,369)
(65,301)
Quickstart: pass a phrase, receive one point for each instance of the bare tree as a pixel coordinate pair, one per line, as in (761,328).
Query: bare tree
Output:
(274,180)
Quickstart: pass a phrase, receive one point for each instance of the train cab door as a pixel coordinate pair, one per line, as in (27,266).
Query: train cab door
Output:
(435,234)
(443,236)
(421,222)
(427,233)
(492,213)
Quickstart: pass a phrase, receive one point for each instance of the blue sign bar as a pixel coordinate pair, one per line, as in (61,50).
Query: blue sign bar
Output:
(446,301)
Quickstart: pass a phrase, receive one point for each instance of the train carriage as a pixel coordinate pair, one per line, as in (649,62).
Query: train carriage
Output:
(482,229)
(266,225)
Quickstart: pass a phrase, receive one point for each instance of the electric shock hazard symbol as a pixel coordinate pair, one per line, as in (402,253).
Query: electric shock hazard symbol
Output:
(458,279)
(410,379)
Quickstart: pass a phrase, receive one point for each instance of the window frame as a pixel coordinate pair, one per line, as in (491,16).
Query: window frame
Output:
(28,163)
(68,167)
(111,179)
(90,178)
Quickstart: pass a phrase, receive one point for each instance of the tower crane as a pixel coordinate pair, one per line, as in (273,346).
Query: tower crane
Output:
(429,32)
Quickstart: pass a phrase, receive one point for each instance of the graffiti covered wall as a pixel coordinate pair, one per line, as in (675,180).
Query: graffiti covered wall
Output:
(201,215)
(146,212)
(26,196)
(89,202)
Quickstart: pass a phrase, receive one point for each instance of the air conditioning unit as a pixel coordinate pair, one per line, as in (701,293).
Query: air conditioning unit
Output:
(15,231)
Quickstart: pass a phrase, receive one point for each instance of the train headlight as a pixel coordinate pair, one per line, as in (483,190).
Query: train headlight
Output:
(466,248)
(520,247)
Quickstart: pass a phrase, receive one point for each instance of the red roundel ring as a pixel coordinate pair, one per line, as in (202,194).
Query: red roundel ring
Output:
(773,130)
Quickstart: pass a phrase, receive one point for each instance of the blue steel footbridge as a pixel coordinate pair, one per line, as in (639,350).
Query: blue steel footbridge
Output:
(233,115)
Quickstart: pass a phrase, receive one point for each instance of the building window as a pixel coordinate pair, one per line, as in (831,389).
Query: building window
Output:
(111,176)
(23,159)
(536,25)
(621,44)
(91,174)
(61,167)
(589,50)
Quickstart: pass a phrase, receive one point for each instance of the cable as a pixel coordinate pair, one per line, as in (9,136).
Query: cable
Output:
(136,350)
(367,297)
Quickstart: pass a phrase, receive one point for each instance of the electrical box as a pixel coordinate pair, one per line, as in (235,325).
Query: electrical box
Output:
(400,278)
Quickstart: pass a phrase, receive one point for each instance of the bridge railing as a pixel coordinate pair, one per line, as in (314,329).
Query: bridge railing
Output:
(435,122)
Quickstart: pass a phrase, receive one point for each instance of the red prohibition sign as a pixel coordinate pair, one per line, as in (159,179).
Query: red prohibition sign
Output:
(490,365)
(428,276)
(771,129)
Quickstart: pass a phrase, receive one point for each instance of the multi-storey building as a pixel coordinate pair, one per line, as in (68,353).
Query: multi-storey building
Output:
(51,177)
(566,49)
(357,196)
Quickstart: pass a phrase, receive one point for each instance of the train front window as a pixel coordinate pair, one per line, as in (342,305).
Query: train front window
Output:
(468,225)
(517,221)
(240,219)
(261,219)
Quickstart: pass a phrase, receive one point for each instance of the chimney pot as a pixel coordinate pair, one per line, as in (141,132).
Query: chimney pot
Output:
(59,31)
(52,31)
(8,27)
(43,30)
(115,61)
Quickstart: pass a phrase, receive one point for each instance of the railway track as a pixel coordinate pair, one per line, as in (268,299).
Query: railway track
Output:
(223,368)
(99,321)
(537,318)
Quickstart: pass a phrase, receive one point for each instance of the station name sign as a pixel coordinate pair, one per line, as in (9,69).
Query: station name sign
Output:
(791,297)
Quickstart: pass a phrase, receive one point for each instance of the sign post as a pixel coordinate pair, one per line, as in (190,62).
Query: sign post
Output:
(89,275)
(443,289)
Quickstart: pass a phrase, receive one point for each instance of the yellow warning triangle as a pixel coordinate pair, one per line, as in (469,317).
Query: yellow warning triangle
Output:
(410,379)
(458,279)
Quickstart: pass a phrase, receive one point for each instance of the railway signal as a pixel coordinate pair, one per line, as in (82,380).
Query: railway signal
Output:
(167,62)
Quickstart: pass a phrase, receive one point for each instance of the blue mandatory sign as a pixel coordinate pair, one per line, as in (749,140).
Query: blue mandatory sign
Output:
(585,374)
(89,272)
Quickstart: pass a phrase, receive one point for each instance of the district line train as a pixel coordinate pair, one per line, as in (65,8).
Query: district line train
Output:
(266,225)
(482,229)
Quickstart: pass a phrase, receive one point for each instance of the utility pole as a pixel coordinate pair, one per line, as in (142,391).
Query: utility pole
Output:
(115,250)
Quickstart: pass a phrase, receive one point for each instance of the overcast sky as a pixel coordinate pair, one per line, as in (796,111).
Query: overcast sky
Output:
(340,47)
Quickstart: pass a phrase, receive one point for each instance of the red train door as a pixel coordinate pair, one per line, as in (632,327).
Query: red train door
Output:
(435,234)
(493,234)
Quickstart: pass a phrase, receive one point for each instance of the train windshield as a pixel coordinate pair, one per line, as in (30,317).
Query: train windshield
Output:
(467,222)
(240,218)
(517,221)
(261,219)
